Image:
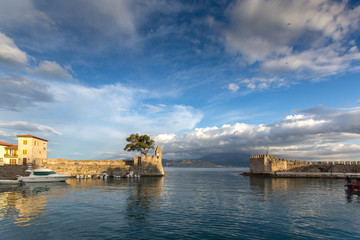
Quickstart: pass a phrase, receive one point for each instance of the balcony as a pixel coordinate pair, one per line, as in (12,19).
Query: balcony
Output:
(10,155)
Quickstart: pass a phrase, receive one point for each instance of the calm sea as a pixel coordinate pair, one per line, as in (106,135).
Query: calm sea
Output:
(186,204)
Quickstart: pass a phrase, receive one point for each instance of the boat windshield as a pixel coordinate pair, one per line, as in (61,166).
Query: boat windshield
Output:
(43,173)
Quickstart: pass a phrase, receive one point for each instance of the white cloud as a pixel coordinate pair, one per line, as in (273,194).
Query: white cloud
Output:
(22,93)
(233,87)
(21,126)
(154,109)
(82,112)
(122,15)
(164,138)
(14,14)
(294,36)
(10,53)
(307,135)
(263,83)
(320,62)
(9,130)
(93,116)
(52,70)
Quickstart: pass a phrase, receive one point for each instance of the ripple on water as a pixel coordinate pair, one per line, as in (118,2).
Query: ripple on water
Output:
(187,204)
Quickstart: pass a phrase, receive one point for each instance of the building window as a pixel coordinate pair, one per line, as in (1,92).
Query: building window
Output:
(44,146)
(24,151)
(25,142)
(13,162)
(36,143)
(40,152)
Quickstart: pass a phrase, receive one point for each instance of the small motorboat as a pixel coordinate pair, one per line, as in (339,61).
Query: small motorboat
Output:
(104,176)
(352,185)
(43,175)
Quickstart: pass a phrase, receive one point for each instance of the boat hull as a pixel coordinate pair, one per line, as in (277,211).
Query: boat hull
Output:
(353,187)
(49,178)
(9,182)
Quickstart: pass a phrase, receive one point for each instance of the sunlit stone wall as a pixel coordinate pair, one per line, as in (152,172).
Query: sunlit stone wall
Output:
(150,165)
(82,167)
(265,164)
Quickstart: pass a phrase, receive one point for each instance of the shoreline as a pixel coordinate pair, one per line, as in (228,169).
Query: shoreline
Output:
(302,175)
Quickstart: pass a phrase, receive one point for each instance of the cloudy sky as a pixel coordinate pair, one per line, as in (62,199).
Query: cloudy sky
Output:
(200,77)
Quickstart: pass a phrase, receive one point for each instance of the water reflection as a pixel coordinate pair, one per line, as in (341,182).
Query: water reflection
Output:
(25,203)
(352,196)
(265,187)
(145,198)
(268,188)
(269,185)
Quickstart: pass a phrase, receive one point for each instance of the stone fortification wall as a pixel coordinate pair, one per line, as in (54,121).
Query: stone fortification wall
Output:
(265,164)
(142,165)
(328,168)
(84,167)
(149,165)
(259,164)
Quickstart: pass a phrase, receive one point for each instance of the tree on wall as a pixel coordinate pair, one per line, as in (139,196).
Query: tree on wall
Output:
(141,143)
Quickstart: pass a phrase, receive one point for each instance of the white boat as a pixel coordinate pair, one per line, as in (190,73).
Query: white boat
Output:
(14,182)
(43,175)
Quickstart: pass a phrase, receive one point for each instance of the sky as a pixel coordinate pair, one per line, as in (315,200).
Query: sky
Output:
(199,77)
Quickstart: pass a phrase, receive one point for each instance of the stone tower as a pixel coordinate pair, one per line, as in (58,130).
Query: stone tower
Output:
(150,165)
(158,158)
(158,153)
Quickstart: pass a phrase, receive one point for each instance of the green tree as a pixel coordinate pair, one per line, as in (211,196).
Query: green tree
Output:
(141,143)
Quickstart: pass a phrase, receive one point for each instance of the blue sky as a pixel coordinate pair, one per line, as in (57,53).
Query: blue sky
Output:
(200,77)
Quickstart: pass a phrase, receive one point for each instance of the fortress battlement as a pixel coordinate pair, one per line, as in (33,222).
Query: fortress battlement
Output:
(265,163)
(150,165)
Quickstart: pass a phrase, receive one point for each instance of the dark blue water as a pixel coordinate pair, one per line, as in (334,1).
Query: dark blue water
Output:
(187,204)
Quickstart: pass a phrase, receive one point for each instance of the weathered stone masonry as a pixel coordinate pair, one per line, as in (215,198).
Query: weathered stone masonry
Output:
(145,166)
(267,164)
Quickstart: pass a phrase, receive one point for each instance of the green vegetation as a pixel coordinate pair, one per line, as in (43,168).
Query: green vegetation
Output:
(141,143)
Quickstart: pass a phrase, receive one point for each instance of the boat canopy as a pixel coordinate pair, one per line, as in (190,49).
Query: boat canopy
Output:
(36,173)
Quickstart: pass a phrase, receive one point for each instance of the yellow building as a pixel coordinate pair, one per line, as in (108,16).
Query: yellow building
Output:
(31,147)
(8,154)
(28,149)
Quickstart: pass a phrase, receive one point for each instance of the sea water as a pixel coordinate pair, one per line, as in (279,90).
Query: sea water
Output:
(205,203)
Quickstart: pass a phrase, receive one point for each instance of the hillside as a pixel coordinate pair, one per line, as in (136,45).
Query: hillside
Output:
(188,163)
(227,159)
(213,160)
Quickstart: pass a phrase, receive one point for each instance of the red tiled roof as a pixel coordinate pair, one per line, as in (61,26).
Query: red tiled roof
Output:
(12,146)
(5,144)
(31,136)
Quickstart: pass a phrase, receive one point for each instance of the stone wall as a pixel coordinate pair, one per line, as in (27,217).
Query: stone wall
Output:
(277,164)
(149,165)
(265,164)
(258,164)
(145,166)
(12,171)
(333,168)
(83,167)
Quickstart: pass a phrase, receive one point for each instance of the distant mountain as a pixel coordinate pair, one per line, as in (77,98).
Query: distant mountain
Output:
(227,159)
(212,160)
(188,163)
